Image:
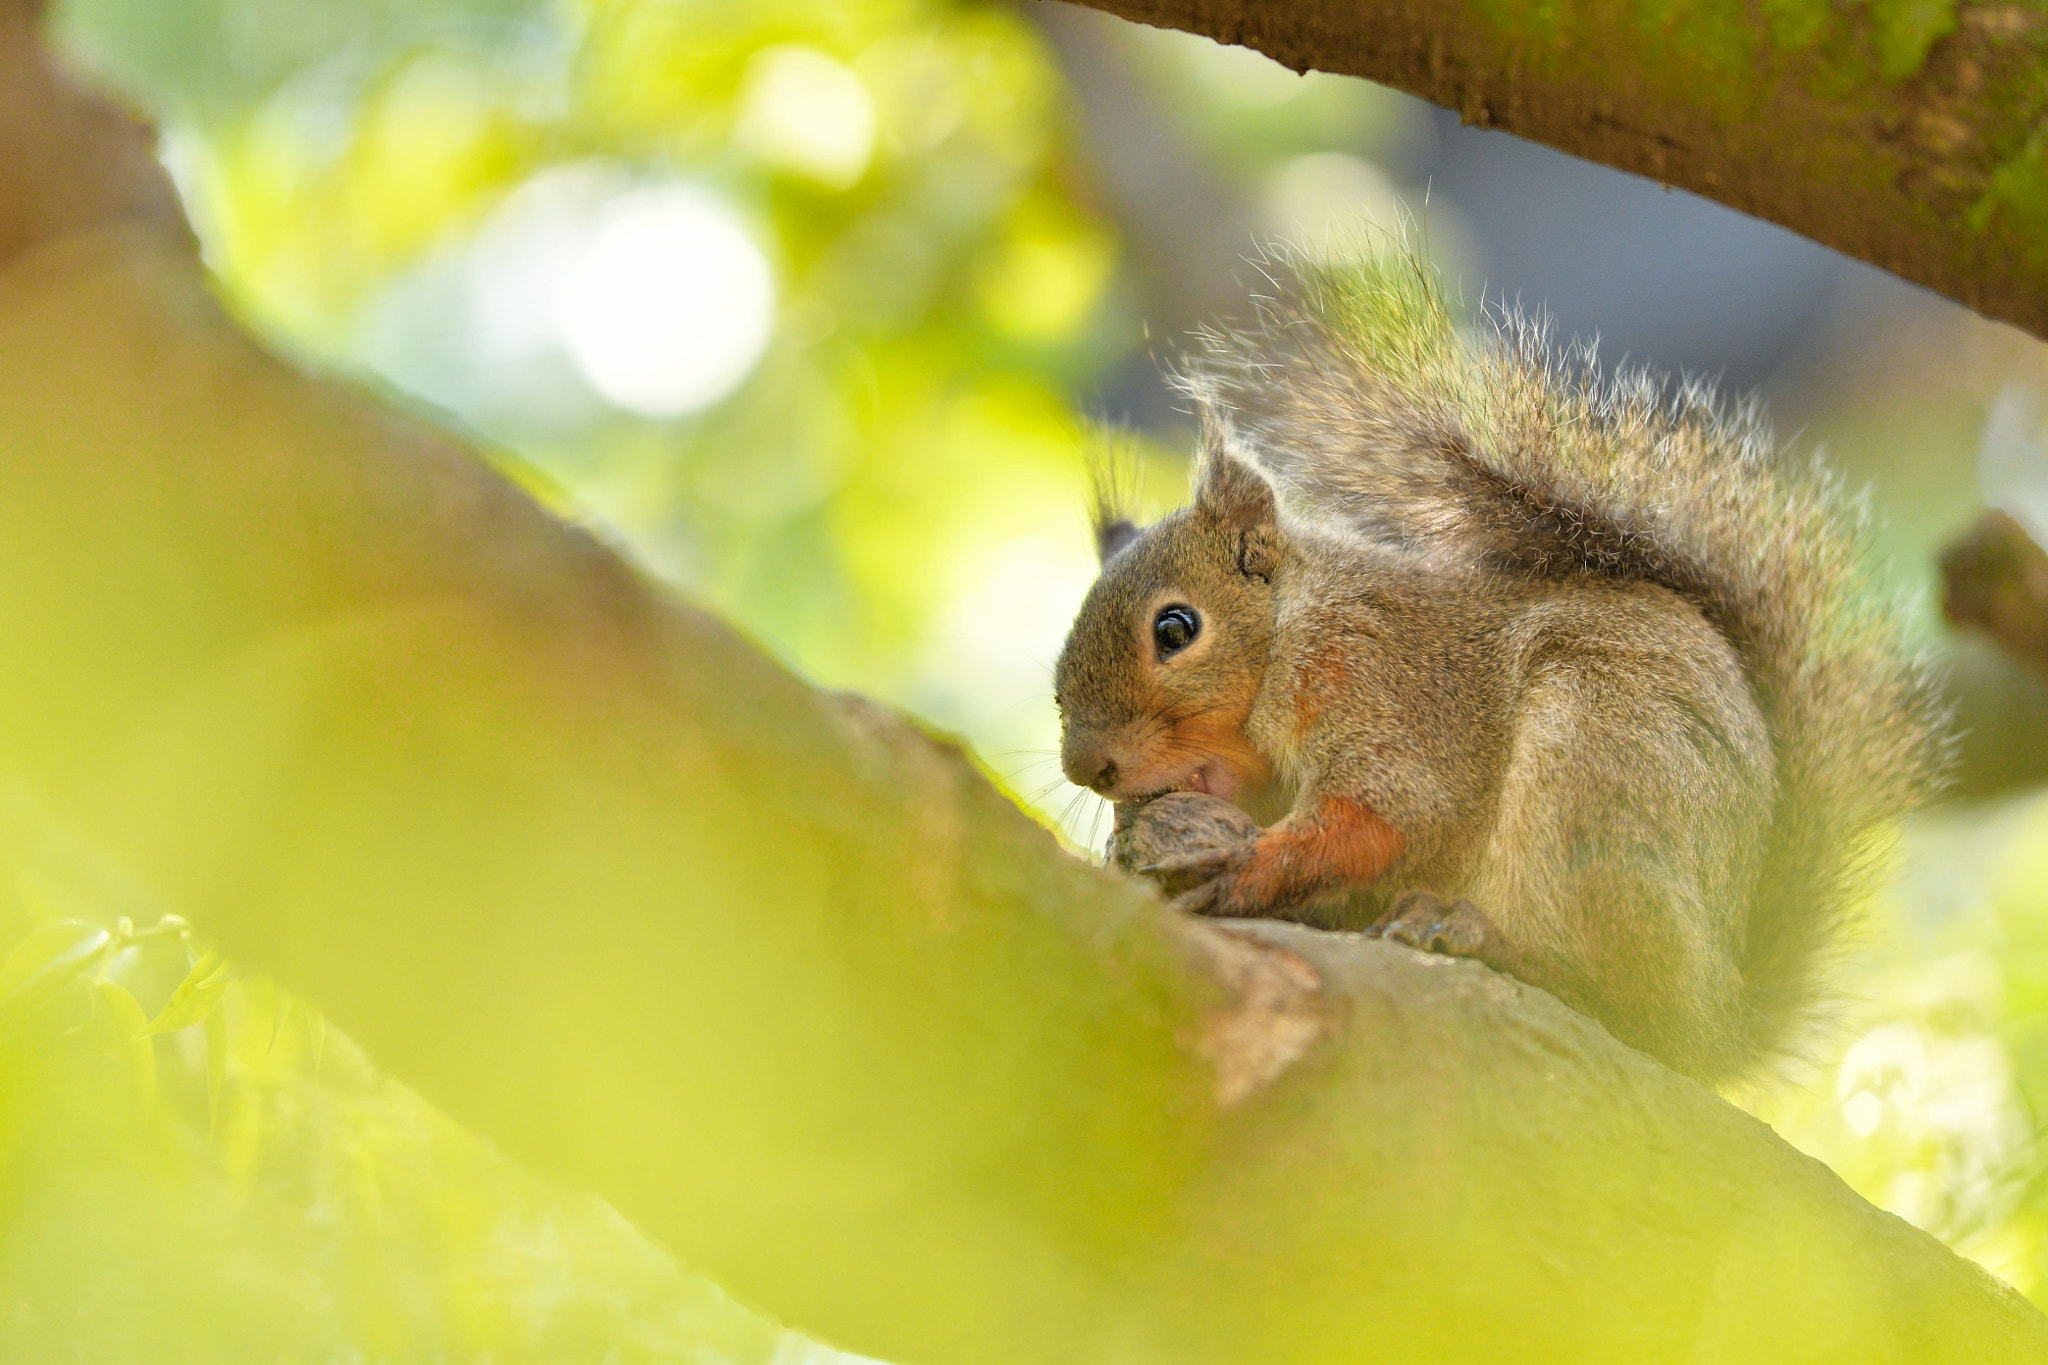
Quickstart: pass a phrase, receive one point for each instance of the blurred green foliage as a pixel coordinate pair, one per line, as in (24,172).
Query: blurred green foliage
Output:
(1932,1095)
(193,1167)
(376,185)
(908,438)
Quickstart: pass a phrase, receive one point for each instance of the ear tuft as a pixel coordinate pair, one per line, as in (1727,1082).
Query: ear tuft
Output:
(1232,489)
(1113,480)
(1111,537)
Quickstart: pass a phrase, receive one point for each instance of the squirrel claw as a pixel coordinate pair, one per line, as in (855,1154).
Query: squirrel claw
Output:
(1424,920)
(1211,897)
(1182,877)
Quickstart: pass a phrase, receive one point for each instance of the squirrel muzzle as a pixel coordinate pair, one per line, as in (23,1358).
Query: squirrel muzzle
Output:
(1213,759)
(1089,763)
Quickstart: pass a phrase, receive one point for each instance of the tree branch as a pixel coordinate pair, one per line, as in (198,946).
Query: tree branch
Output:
(1909,136)
(783,977)
(1995,581)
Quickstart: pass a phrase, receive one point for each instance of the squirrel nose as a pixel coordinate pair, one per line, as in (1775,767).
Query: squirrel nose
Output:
(1086,765)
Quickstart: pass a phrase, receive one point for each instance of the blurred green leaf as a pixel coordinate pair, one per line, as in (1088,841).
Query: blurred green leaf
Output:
(197,996)
(131,1025)
(212,57)
(216,1064)
(49,957)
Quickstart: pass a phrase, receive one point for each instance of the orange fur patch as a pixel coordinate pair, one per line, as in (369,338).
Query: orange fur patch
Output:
(1333,844)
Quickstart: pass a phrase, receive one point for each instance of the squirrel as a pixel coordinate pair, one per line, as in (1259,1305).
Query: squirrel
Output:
(1575,676)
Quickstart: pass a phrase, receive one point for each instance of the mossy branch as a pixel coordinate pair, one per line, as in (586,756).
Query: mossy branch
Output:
(1912,135)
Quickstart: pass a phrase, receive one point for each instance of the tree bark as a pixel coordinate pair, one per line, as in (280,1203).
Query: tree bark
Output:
(778,973)
(1908,135)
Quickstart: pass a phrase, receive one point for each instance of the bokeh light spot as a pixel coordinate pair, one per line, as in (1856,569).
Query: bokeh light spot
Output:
(1043,285)
(1332,201)
(806,112)
(670,305)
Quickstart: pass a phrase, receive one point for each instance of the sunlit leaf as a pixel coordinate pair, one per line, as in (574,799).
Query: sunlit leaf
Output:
(197,995)
(131,1024)
(265,1010)
(216,1064)
(50,956)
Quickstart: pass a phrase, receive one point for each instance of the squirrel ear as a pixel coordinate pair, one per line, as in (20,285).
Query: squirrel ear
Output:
(1233,490)
(1112,536)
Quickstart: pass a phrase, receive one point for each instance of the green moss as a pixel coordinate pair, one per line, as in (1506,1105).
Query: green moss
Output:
(1796,24)
(1543,24)
(1707,35)
(1702,40)
(1725,34)
(1905,29)
(2020,188)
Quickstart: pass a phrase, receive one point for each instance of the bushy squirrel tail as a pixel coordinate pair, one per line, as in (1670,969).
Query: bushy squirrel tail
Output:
(1358,395)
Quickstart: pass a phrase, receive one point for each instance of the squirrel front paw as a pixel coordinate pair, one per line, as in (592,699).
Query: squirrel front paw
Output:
(1221,896)
(1182,841)
(1424,920)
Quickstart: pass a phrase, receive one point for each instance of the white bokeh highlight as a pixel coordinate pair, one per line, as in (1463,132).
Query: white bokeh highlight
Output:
(807,112)
(1331,203)
(670,303)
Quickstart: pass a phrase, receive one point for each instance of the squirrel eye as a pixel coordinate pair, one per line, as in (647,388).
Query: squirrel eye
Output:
(1174,629)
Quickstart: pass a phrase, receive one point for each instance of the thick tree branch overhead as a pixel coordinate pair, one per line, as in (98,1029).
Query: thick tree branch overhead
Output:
(780,975)
(1906,133)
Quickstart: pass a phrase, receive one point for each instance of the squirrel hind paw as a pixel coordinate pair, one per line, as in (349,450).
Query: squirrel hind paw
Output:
(1426,921)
